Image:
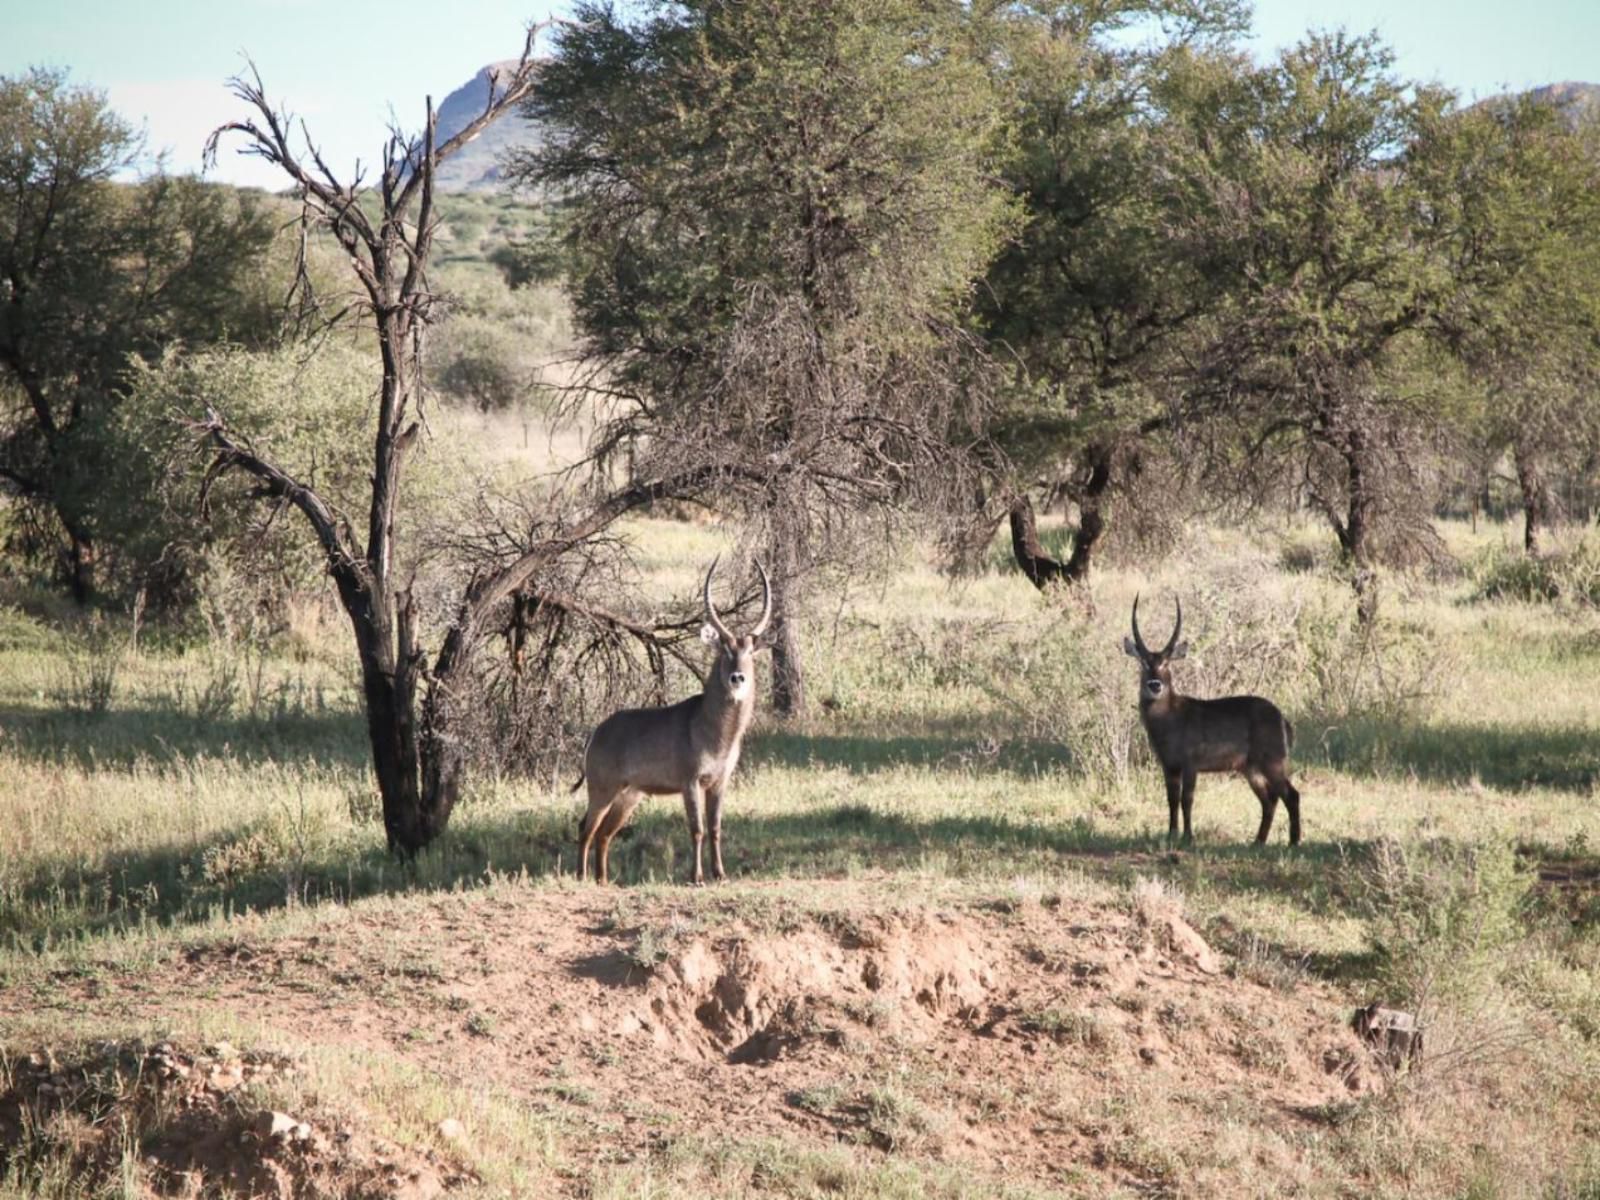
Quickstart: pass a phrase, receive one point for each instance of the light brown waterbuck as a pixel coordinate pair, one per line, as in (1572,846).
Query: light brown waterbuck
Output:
(1234,733)
(691,747)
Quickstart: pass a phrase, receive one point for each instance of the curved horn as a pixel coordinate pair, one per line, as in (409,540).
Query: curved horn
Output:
(1137,640)
(1176,629)
(711,609)
(766,602)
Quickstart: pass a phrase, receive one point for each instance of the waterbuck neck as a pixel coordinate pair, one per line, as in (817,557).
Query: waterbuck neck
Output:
(1163,707)
(721,716)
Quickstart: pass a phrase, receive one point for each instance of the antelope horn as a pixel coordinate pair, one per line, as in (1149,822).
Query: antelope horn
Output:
(711,609)
(766,602)
(1176,629)
(1137,640)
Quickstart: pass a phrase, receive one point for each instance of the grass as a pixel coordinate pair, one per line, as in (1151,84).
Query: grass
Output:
(973,743)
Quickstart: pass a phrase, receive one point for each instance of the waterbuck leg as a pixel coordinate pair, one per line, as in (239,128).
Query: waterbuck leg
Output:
(1269,803)
(1174,789)
(691,809)
(1291,801)
(714,828)
(587,828)
(1188,804)
(614,819)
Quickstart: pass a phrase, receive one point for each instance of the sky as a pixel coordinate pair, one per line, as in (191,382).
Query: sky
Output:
(349,67)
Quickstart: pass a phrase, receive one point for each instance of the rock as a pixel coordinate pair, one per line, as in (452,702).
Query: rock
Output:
(1184,942)
(1394,1036)
(452,1130)
(222,1051)
(274,1125)
(302,1132)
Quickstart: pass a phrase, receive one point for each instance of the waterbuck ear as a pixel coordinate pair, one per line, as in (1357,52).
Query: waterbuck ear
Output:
(1130,649)
(710,636)
(758,644)
(1181,650)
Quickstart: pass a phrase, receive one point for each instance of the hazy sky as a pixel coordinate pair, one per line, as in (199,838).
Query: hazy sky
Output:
(346,65)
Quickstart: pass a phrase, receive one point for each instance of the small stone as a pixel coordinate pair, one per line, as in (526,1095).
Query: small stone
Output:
(222,1050)
(302,1132)
(1148,1055)
(276,1125)
(452,1130)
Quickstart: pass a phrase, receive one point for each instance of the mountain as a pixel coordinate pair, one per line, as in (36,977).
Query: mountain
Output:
(1580,101)
(1577,102)
(476,166)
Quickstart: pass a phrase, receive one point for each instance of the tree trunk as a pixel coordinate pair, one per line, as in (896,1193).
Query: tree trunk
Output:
(788,670)
(1039,567)
(1356,536)
(788,667)
(1538,501)
(80,562)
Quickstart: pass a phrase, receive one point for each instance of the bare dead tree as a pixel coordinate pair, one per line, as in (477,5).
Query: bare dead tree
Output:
(414,700)
(821,442)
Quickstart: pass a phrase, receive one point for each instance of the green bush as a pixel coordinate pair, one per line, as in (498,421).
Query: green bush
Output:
(1499,573)
(1443,918)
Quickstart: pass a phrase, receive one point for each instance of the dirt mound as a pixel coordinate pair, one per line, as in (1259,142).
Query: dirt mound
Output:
(1109,1032)
(194,1130)
(751,998)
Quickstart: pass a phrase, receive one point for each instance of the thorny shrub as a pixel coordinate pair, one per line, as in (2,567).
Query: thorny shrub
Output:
(94,659)
(1062,676)
(1573,575)
(1443,919)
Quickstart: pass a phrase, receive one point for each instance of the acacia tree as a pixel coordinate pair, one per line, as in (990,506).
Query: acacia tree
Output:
(1520,195)
(416,700)
(1393,246)
(1112,266)
(91,273)
(771,219)
(1323,353)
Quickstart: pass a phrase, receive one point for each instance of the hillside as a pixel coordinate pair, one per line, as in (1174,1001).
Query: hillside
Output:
(476,167)
(1580,100)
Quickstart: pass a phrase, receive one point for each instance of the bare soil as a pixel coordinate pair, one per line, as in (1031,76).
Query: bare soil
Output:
(996,1036)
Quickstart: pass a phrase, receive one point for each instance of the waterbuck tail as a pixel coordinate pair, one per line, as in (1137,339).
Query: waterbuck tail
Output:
(1288,733)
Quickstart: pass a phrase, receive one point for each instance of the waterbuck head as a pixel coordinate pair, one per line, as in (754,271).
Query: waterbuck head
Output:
(1155,676)
(734,669)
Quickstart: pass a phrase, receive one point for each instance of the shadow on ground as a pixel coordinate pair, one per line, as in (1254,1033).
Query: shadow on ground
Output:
(122,737)
(954,746)
(1499,756)
(176,886)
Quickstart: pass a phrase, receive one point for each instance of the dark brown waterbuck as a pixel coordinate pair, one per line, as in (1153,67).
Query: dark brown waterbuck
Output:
(691,747)
(1234,733)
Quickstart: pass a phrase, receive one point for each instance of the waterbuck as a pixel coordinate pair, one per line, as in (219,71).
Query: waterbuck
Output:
(1188,735)
(690,747)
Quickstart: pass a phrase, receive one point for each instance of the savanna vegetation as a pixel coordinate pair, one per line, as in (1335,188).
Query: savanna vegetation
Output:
(336,519)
